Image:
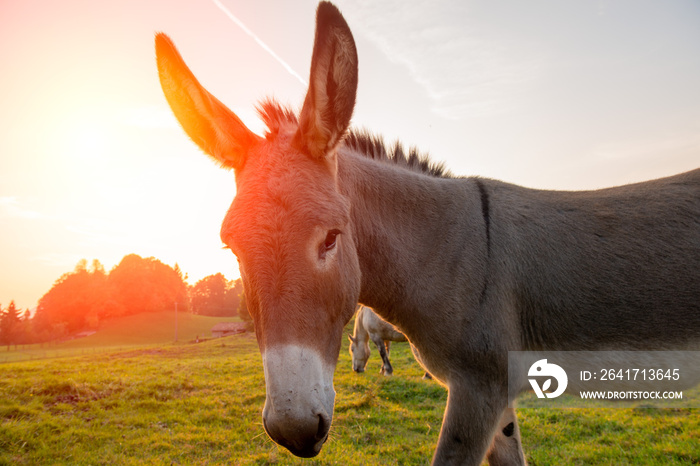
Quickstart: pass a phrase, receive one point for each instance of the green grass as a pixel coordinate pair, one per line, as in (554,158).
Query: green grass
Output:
(611,436)
(201,404)
(151,328)
(147,329)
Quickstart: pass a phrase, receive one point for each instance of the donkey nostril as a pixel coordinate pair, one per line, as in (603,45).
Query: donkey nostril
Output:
(509,430)
(322,428)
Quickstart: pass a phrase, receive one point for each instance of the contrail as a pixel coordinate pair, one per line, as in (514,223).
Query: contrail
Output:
(262,44)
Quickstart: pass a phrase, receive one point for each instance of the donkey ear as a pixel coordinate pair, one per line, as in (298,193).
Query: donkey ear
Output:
(351,338)
(208,122)
(329,102)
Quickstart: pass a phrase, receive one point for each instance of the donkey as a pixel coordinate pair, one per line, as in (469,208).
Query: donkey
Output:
(466,268)
(369,326)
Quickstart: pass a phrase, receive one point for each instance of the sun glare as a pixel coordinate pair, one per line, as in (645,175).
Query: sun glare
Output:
(88,138)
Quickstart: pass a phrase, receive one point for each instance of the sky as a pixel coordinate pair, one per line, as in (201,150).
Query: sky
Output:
(546,94)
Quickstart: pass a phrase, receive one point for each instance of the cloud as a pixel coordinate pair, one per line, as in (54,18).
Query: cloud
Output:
(466,68)
(11,207)
(260,42)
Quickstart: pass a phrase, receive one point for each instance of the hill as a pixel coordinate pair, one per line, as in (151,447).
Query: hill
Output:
(152,328)
(147,329)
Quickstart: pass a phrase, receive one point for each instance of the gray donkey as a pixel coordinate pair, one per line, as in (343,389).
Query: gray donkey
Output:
(467,268)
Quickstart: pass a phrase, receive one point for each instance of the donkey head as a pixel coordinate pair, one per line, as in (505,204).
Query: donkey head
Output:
(289,225)
(360,351)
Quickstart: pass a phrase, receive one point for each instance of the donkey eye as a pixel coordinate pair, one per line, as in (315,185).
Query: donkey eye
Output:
(331,239)
(329,242)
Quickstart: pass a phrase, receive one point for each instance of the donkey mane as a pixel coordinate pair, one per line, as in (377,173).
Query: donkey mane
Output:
(374,147)
(276,116)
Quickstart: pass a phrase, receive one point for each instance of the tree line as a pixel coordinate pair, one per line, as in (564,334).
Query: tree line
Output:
(81,299)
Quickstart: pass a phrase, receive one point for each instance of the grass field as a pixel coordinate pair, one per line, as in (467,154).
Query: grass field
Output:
(147,329)
(201,404)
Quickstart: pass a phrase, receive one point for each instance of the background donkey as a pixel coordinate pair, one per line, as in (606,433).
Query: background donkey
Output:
(369,326)
(467,269)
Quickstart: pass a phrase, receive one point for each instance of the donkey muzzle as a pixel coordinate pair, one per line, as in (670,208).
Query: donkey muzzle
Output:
(358,367)
(302,437)
(300,397)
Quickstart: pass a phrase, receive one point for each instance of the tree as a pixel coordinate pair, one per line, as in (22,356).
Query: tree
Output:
(179,273)
(82,298)
(243,312)
(236,292)
(145,285)
(24,332)
(9,325)
(72,298)
(215,296)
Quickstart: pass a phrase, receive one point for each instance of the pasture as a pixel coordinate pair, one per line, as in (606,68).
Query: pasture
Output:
(136,331)
(201,403)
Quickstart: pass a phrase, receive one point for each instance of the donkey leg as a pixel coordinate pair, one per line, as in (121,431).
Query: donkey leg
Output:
(507,448)
(470,420)
(386,365)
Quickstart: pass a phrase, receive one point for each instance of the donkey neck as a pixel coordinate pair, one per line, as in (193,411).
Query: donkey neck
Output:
(361,333)
(415,235)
